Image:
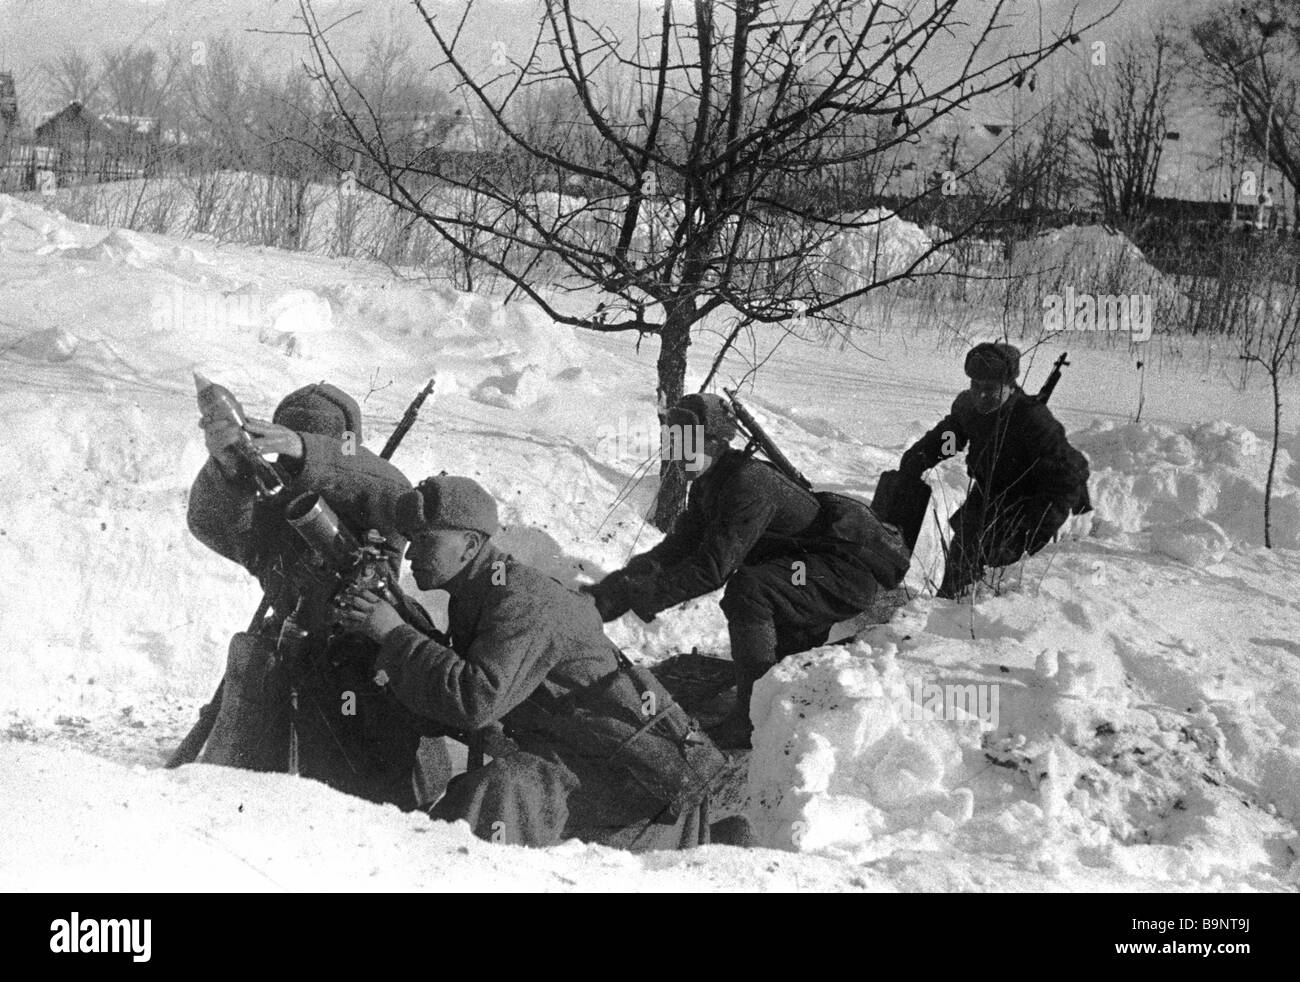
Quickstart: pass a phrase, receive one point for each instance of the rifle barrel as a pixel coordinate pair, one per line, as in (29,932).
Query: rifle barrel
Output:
(407,421)
(759,436)
(1049,386)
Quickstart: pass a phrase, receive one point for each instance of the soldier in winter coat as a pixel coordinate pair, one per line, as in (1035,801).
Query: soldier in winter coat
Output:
(583,744)
(751,529)
(1026,478)
(350,734)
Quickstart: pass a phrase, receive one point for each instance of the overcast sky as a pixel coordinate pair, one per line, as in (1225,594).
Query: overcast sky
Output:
(34,32)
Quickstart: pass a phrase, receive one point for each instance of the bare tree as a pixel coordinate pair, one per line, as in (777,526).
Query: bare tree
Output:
(8,108)
(694,197)
(137,103)
(217,96)
(286,151)
(1268,337)
(1125,110)
(413,116)
(1042,169)
(74,78)
(137,81)
(1251,64)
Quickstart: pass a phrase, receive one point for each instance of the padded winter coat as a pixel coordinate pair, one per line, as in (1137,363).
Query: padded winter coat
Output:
(371,750)
(1018,453)
(740,512)
(523,651)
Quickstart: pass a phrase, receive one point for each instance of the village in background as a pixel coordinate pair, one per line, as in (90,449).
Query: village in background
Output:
(1140,131)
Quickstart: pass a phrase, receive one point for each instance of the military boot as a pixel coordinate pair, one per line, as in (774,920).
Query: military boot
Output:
(753,652)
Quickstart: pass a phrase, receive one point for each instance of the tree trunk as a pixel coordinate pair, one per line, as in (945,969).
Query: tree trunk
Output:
(1276,371)
(674,340)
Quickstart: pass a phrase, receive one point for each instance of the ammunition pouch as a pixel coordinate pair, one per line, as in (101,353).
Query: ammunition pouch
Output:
(628,727)
(1082,502)
(852,529)
(252,726)
(902,499)
(670,759)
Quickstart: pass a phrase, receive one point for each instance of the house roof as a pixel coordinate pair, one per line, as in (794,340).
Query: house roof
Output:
(73,117)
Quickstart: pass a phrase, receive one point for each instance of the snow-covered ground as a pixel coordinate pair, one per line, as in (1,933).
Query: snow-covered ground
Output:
(1140,679)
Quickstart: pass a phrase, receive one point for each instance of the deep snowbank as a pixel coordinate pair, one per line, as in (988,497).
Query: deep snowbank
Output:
(876,246)
(1196,490)
(1093,259)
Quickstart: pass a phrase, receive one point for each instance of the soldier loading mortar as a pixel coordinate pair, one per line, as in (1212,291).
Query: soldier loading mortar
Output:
(294,697)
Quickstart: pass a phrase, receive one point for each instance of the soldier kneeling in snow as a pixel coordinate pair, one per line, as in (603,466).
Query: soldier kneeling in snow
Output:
(584,744)
(748,526)
(1026,479)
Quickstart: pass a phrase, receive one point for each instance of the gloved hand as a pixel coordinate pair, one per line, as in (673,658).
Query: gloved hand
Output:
(641,608)
(367,613)
(911,466)
(611,596)
(642,566)
(221,436)
(274,438)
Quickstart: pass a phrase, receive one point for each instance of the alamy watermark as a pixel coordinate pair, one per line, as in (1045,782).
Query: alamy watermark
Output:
(951,702)
(210,311)
(1076,311)
(73,935)
(637,443)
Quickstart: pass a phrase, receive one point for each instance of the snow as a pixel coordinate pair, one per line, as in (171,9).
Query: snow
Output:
(219,829)
(119,246)
(875,245)
(1117,677)
(1147,730)
(839,762)
(1093,254)
(1199,484)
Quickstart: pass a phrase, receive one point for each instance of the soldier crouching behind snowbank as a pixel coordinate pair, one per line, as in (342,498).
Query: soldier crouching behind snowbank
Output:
(1026,478)
(584,744)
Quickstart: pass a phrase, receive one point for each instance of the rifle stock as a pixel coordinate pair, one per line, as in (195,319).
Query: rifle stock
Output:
(759,439)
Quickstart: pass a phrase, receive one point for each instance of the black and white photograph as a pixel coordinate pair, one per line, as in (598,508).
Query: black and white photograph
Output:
(651,446)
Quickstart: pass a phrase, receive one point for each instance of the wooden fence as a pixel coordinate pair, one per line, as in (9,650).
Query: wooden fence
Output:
(28,167)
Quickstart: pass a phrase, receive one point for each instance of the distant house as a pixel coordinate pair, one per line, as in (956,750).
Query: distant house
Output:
(99,147)
(71,126)
(457,145)
(138,125)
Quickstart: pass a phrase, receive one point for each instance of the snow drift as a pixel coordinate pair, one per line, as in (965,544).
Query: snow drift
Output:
(1091,258)
(1195,491)
(877,245)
